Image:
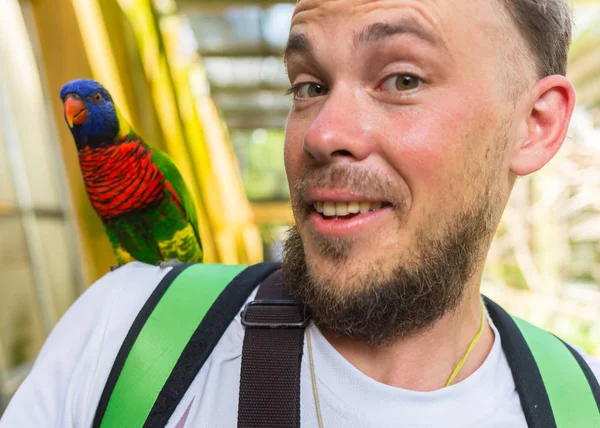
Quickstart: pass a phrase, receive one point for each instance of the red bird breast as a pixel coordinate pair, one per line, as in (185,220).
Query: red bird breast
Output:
(121,178)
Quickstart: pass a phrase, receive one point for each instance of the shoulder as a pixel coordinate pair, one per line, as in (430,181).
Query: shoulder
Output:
(70,371)
(542,343)
(112,303)
(115,299)
(592,362)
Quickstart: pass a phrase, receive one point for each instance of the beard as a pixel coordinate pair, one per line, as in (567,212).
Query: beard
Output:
(379,307)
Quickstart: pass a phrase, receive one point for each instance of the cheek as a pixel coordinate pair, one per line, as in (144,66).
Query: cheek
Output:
(436,150)
(425,148)
(292,156)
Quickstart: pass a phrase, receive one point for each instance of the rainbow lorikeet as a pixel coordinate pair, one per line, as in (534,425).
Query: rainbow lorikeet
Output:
(137,190)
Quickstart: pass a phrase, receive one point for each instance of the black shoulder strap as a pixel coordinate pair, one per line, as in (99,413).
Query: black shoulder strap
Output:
(271,358)
(587,371)
(556,386)
(527,377)
(199,347)
(204,340)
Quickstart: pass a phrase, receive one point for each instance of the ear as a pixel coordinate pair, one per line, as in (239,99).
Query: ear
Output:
(553,102)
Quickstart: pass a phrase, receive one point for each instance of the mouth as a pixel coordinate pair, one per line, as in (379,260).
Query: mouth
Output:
(347,219)
(75,111)
(330,210)
(79,113)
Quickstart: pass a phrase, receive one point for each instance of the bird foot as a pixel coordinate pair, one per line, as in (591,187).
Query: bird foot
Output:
(114,268)
(169,263)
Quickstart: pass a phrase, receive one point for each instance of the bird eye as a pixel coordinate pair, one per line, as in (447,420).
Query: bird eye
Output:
(97,97)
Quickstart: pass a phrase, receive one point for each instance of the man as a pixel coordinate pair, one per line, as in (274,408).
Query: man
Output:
(411,122)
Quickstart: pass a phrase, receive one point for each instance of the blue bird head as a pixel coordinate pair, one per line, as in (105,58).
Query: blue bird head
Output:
(90,113)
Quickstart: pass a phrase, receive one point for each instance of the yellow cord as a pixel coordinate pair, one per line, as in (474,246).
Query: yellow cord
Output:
(452,376)
(314,377)
(469,349)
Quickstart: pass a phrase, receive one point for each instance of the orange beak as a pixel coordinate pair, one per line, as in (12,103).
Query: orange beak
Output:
(75,111)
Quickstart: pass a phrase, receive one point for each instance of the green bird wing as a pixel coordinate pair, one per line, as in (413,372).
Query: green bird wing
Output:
(172,174)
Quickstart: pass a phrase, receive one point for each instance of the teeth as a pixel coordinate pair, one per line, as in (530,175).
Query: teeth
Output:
(353,207)
(329,209)
(341,209)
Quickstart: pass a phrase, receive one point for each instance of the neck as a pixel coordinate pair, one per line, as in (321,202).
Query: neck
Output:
(424,361)
(85,142)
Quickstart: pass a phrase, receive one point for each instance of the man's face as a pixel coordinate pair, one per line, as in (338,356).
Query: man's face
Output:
(402,112)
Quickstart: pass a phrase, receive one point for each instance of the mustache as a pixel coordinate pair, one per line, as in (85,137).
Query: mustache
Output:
(354,179)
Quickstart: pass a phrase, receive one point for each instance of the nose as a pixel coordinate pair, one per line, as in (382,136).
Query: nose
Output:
(340,130)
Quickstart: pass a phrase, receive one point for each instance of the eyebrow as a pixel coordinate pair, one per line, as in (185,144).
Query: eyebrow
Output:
(297,43)
(300,44)
(383,30)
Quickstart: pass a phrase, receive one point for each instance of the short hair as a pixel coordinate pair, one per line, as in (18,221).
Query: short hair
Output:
(546,26)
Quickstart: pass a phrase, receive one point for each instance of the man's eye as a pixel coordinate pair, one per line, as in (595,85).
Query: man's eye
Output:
(308,90)
(401,82)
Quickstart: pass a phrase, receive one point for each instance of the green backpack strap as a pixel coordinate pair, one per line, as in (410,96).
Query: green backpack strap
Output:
(555,385)
(178,327)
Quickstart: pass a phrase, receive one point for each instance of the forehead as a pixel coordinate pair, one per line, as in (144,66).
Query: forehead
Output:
(462,22)
(82,86)
(306,9)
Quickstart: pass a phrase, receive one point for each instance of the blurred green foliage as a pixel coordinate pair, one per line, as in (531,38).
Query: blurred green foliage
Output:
(260,154)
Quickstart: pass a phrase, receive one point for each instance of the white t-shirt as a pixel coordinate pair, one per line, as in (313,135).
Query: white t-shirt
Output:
(65,384)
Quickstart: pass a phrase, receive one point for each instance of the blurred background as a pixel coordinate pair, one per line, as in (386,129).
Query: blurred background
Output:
(204,80)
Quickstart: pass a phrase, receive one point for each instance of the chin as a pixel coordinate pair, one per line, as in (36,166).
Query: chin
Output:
(391,278)
(348,263)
